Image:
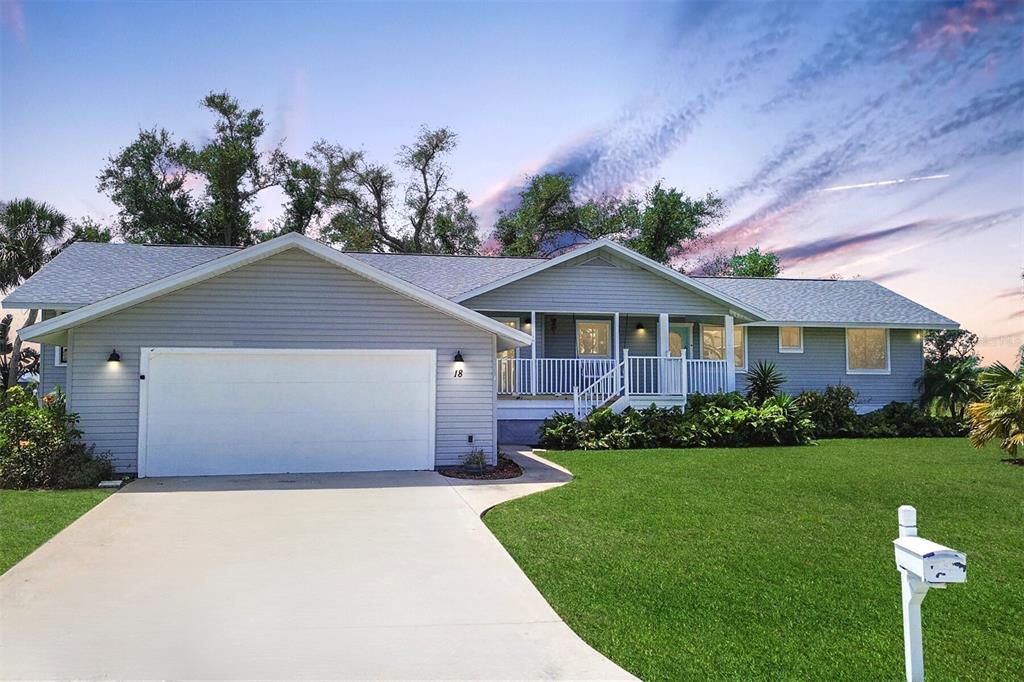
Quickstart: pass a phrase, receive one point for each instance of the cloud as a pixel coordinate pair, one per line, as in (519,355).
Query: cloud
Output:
(936,227)
(829,246)
(12,18)
(616,158)
(895,274)
(1015,292)
(884,183)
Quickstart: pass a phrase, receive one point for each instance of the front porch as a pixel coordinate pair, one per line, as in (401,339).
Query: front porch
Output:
(580,361)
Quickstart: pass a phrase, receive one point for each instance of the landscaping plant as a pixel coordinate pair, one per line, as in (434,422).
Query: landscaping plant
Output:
(1000,414)
(41,445)
(831,411)
(763,382)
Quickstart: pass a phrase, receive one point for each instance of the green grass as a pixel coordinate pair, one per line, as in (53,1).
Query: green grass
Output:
(777,563)
(28,518)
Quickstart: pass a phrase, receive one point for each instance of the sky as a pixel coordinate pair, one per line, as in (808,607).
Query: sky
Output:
(877,140)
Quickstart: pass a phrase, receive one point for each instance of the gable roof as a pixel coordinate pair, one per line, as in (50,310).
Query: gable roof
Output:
(825,302)
(646,263)
(84,273)
(241,257)
(448,276)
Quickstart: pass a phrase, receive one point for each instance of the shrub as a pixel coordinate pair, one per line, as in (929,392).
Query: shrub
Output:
(720,420)
(831,411)
(905,420)
(763,382)
(779,421)
(41,446)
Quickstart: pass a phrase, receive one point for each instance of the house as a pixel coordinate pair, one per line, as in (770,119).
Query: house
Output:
(291,356)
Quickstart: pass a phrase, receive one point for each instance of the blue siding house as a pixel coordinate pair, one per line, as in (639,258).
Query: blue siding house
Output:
(290,356)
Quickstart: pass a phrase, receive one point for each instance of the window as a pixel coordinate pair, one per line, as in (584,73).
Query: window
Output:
(60,356)
(791,340)
(867,351)
(593,338)
(712,342)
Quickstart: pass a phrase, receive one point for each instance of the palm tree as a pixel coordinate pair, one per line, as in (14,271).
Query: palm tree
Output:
(951,384)
(29,361)
(31,233)
(1000,415)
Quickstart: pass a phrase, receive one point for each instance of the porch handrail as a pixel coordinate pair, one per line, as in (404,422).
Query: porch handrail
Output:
(604,388)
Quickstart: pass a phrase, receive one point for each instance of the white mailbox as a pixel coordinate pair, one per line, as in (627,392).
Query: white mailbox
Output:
(931,562)
(923,564)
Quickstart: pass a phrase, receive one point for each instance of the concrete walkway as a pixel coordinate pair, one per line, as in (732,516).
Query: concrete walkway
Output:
(340,576)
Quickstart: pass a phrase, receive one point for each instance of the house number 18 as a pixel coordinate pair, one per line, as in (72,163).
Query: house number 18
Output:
(458,373)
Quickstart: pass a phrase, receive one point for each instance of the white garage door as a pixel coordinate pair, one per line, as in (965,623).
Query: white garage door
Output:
(244,411)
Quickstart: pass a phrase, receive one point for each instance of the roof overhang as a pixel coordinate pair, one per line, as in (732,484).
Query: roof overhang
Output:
(855,325)
(630,255)
(56,328)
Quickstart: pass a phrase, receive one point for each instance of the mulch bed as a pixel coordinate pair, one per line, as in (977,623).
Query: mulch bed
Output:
(506,468)
(1019,461)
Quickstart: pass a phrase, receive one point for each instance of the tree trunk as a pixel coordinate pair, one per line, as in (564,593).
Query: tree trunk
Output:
(12,372)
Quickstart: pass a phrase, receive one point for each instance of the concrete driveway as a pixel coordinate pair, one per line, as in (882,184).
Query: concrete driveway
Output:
(379,575)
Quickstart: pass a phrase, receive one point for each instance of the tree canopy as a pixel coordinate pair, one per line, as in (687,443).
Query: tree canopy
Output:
(657,224)
(174,192)
(751,263)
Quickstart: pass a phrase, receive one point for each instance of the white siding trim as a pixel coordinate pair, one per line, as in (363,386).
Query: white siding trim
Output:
(850,325)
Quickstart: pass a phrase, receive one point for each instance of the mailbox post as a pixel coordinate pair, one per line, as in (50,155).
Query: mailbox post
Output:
(922,564)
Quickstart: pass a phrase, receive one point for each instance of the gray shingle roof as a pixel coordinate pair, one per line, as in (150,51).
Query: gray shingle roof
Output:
(447,276)
(85,273)
(826,301)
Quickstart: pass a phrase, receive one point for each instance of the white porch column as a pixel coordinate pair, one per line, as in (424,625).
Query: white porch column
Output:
(730,355)
(663,335)
(533,352)
(615,346)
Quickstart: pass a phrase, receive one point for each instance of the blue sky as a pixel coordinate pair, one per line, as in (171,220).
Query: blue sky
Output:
(881,140)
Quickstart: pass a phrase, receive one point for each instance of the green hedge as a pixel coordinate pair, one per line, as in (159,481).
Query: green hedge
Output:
(730,420)
(710,421)
(41,446)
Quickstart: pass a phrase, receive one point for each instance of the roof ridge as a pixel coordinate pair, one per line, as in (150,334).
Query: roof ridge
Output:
(446,255)
(784,279)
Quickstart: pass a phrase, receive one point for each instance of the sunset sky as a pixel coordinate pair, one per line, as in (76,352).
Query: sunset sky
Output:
(882,140)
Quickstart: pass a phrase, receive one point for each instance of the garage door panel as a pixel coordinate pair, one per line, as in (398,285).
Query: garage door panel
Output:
(234,412)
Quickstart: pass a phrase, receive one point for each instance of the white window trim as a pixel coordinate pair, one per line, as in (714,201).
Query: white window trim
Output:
(746,344)
(56,357)
(607,323)
(888,353)
(791,349)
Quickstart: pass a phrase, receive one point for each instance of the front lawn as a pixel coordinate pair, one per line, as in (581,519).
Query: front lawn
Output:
(777,563)
(28,518)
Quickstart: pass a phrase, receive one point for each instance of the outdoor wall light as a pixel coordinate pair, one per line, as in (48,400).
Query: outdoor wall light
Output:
(114,356)
(640,326)
(459,360)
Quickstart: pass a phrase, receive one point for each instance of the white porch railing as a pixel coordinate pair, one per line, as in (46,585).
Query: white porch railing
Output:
(635,375)
(707,376)
(553,376)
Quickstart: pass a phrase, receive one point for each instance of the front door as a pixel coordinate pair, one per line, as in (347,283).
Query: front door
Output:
(680,337)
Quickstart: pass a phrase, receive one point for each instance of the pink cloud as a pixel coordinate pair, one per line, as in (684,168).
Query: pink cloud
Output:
(12,18)
(955,25)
